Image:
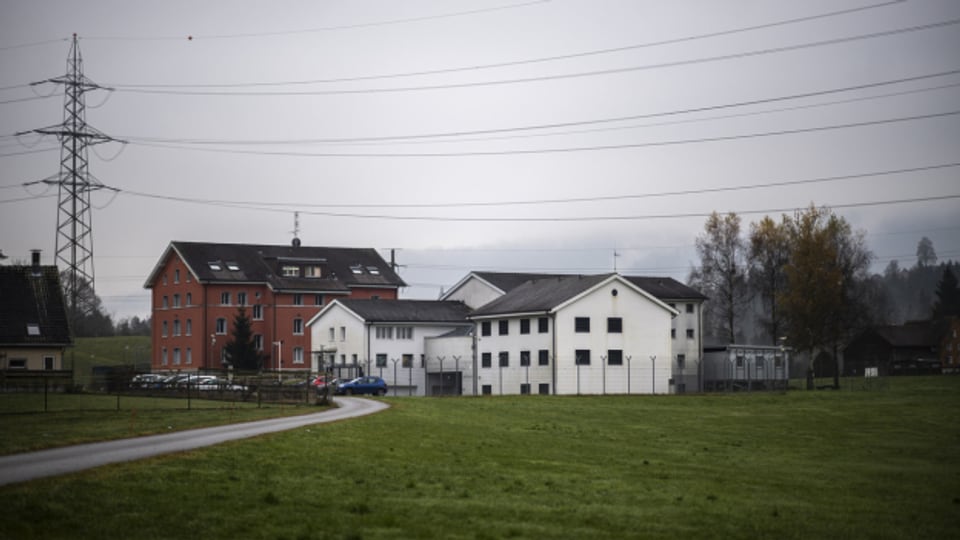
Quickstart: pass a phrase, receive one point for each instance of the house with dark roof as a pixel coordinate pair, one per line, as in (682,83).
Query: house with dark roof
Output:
(34,328)
(198,288)
(911,348)
(598,334)
(478,289)
(396,340)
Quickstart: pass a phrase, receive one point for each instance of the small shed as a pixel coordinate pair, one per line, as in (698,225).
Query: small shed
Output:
(745,367)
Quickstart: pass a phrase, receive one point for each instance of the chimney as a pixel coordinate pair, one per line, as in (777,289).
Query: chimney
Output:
(35,261)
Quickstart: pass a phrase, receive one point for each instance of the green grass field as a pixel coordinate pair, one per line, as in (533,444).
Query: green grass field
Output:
(877,463)
(82,418)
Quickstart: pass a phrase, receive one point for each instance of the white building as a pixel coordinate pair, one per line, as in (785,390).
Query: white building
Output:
(478,289)
(597,334)
(390,339)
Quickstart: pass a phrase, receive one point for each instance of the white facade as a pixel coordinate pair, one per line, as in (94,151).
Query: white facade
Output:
(394,351)
(630,356)
(686,355)
(687,345)
(473,291)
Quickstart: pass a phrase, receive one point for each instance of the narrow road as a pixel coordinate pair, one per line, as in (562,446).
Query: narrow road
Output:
(33,465)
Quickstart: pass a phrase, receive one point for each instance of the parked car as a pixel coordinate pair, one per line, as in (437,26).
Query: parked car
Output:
(364,385)
(214,383)
(320,382)
(145,380)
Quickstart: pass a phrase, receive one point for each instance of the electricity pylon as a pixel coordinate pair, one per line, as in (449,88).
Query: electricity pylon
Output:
(74,240)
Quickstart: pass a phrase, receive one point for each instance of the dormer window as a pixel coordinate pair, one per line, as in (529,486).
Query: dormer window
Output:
(33,329)
(290,271)
(233,267)
(215,266)
(313,271)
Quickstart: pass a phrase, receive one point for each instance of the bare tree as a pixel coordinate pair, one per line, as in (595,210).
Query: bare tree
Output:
(768,257)
(722,275)
(926,255)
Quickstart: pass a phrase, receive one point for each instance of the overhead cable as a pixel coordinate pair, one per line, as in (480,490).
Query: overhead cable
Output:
(529,60)
(606,147)
(544,78)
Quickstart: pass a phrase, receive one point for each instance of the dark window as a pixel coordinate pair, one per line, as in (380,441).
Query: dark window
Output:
(614,325)
(318,299)
(504,328)
(543,325)
(298,299)
(582,357)
(487,389)
(544,389)
(689,308)
(681,360)
(381,360)
(689,333)
(581,324)
(673,333)
(524,326)
(544,357)
(485,328)
(524,358)
(525,389)
(615,357)
(504,359)
(406,361)
(485,360)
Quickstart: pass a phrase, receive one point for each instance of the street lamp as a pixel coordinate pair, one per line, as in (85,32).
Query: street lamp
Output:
(213,345)
(279,346)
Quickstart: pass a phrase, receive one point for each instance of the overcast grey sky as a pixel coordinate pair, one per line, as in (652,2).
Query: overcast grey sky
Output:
(537,102)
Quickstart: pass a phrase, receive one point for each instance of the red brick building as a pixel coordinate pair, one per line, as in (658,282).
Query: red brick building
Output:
(198,288)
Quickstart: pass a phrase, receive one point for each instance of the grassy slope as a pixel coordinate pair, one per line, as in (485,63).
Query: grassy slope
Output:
(798,465)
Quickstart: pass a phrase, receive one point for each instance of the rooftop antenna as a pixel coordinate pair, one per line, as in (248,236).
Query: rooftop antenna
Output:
(296,229)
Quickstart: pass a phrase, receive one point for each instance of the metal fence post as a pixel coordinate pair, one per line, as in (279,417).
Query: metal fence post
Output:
(653,372)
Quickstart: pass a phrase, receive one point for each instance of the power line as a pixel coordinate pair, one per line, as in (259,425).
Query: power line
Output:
(391,22)
(529,60)
(557,125)
(543,78)
(556,150)
(621,197)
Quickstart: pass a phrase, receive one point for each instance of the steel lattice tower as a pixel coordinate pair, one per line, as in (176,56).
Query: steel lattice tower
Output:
(74,240)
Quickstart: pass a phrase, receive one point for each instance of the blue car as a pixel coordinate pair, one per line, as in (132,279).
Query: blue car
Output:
(364,385)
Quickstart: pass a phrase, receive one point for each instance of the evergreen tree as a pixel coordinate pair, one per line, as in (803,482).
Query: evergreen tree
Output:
(241,351)
(948,296)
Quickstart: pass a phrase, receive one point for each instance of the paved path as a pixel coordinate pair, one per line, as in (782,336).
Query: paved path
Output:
(32,465)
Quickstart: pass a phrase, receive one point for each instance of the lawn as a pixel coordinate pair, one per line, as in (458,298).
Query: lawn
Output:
(877,463)
(81,418)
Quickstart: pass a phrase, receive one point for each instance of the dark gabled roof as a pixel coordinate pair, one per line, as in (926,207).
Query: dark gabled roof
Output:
(910,335)
(262,264)
(540,295)
(507,281)
(32,296)
(408,311)
(664,288)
